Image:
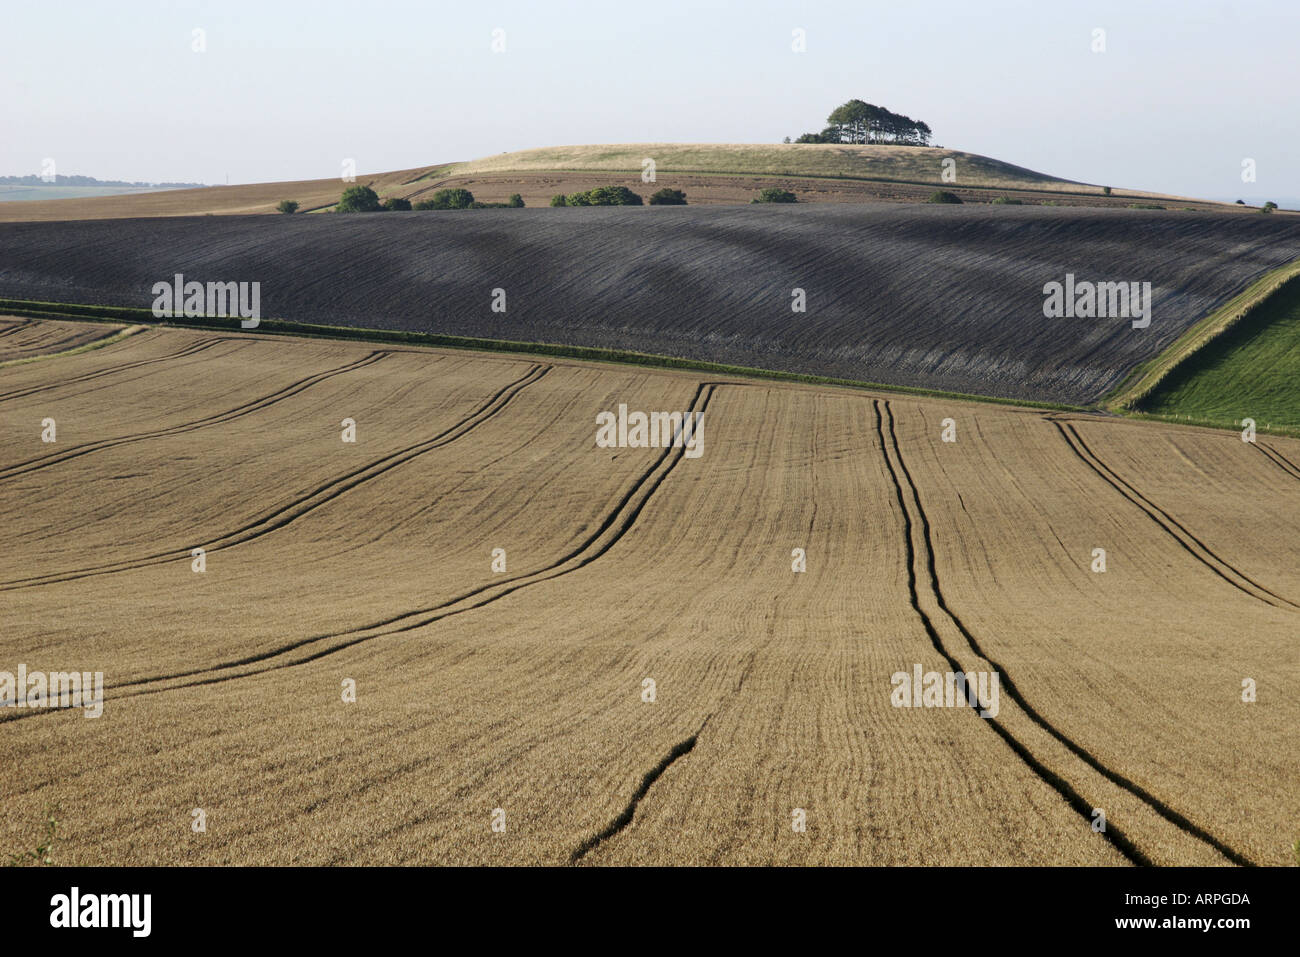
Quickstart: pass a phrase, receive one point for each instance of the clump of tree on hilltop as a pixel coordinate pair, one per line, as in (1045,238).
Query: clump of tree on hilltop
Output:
(860,122)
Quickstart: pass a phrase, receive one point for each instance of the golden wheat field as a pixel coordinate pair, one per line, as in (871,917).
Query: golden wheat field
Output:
(474,635)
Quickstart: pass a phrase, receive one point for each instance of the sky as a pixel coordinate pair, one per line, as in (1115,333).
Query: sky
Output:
(1183,93)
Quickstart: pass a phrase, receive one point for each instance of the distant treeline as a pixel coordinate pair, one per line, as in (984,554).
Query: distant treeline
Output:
(34,180)
(860,122)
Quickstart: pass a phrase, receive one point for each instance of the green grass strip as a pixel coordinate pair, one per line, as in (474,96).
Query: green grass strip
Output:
(1144,378)
(1251,370)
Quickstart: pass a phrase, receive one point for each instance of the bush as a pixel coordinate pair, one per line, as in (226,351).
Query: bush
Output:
(600,196)
(943,196)
(514,202)
(1105,191)
(287,206)
(1268,207)
(610,196)
(774,195)
(1144,206)
(1004,201)
(359,199)
(397,204)
(668,197)
(448,199)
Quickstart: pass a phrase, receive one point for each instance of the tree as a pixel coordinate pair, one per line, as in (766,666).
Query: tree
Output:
(602,196)
(860,122)
(448,199)
(852,121)
(668,197)
(287,206)
(559,199)
(397,204)
(774,195)
(614,196)
(359,199)
(1105,190)
(515,201)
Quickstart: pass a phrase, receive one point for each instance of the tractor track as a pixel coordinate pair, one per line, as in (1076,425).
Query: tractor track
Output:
(256,405)
(679,750)
(1278,459)
(615,526)
(193,348)
(15,327)
(1175,529)
(295,509)
(1121,842)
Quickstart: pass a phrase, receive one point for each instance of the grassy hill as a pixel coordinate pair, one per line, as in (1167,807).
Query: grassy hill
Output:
(710,173)
(884,163)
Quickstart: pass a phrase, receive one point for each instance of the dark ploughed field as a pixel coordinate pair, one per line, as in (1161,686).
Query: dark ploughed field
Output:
(938,297)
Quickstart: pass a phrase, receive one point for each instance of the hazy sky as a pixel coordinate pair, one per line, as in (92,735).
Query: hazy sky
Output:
(1185,90)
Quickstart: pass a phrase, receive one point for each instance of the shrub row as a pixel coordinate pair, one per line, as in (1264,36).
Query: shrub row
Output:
(363,199)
